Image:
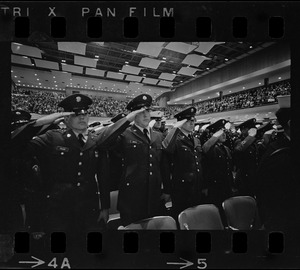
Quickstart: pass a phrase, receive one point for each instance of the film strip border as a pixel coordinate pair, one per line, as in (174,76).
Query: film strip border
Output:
(151,249)
(149,20)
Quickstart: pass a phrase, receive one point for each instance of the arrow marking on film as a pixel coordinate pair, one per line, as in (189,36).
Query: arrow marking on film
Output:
(185,264)
(37,262)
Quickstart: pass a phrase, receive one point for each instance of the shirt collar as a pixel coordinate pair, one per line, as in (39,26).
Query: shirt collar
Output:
(185,133)
(85,135)
(142,129)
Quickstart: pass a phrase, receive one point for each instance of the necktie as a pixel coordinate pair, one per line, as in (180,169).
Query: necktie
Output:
(146,134)
(81,141)
(191,137)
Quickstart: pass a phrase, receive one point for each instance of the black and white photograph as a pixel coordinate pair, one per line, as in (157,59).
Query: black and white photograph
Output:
(168,136)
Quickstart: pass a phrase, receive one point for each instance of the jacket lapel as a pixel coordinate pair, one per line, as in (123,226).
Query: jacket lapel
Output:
(90,142)
(138,133)
(71,139)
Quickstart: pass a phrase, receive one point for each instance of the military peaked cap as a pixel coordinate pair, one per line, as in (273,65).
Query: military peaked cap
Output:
(217,125)
(118,117)
(186,114)
(139,102)
(156,114)
(250,123)
(77,103)
(20,116)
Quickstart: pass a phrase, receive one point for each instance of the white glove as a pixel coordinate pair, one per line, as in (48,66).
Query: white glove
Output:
(252,132)
(218,133)
(152,123)
(180,123)
(270,132)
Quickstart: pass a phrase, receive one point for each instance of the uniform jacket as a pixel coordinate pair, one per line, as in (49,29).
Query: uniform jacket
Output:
(185,171)
(141,180)
(278,187)
(247,154)
(218,165)
(73,174)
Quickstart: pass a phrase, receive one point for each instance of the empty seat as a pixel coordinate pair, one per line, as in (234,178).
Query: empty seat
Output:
(154,223)
(201,217)
(241,212)
(114,216)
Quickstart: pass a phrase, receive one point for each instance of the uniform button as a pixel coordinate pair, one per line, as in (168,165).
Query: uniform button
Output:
(80,163)
(127,184)
(195,151)
(150,147)
(150,155)
(80,153)
(150,173)
(62,153)
(182,181)
(48,196)
(79,173)
(78,184)
(98,193)
(134,146)
(198,170)
(150,164)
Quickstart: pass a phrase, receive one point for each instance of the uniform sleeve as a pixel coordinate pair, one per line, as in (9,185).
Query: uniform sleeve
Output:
(108,135)
(169,143)
(241,146)
(209,144)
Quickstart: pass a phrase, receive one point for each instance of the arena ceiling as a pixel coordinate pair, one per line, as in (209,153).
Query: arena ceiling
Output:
(126,68)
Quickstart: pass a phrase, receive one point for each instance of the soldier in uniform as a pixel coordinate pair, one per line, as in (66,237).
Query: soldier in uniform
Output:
(141,148)
(74,171)
(246,157)
(247,153)
(184,163)
(277,183)
(218,166)
(115,162)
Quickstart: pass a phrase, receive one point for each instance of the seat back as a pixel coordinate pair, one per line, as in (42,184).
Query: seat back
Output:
(113,202)
(201,217)
(154,223)
(240,212)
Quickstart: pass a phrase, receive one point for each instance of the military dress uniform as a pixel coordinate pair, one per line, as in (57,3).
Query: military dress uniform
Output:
(218,168)
(185,171)
(75,178)
(116,162)
(141,180)
(278,182)
(247,159)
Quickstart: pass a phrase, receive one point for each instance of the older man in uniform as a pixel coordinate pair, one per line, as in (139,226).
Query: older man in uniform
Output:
(141,148)
(218,165)
(74,170)
(185,162)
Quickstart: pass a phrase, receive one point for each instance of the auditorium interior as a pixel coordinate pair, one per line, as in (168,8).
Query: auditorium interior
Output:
(235,81)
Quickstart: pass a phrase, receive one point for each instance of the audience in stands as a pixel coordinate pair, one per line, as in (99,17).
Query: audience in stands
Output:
(42,102)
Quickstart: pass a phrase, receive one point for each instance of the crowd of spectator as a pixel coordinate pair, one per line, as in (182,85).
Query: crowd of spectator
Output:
(245,99)
(42,102)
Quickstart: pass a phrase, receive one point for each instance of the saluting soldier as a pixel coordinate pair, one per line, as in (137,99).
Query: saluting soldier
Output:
(141,148)
(246,157)
(115,162)
(247,152)
(185,171)
(278,182)
(218,165)
(74,170)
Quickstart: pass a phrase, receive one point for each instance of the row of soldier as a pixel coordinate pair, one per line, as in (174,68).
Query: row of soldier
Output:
(63,178)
